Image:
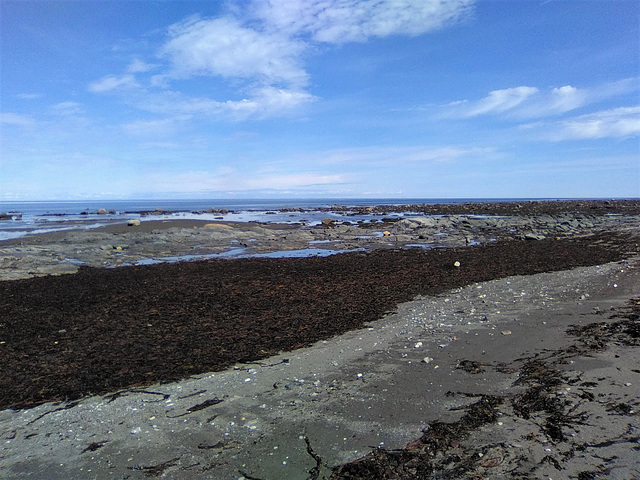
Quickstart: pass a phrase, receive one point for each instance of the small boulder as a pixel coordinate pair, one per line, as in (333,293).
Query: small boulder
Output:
(328,222)
(534,236)
(102,211)
(133,223)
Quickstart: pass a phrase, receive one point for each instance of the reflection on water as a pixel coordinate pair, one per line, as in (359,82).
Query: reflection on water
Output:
(242,253)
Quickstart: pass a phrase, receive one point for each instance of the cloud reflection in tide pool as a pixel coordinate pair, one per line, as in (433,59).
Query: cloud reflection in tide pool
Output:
(241,253)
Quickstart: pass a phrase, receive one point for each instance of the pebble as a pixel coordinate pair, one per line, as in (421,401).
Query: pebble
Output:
(506,332)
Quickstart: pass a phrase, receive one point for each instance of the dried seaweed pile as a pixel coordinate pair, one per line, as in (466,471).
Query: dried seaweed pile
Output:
(102,330)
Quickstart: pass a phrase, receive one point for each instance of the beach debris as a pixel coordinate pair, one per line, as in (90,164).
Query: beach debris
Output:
(386,233)
(93,446)
(438,437)
(506,332)
(470,366)
(456,264)
(314,473)
(427,360)
(156,470)
(418,345)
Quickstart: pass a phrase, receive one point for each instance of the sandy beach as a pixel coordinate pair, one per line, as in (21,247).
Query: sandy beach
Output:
(510,358)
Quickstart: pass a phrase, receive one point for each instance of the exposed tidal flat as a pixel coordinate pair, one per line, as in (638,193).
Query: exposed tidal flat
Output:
(108,240)
(460,344)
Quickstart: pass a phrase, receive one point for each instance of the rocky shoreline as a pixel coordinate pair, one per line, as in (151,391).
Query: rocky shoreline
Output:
(439,341)
(428,227)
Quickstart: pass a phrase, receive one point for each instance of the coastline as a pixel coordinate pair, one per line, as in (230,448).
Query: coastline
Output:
(338,229)
(404,365)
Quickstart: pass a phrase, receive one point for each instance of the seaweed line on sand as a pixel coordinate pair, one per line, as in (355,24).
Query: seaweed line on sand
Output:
(442,453)
(105,330)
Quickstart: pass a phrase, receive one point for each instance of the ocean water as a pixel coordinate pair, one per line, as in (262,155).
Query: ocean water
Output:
(30,218)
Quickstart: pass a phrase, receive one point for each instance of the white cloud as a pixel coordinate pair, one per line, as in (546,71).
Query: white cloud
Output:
(566,98)
(263,102)
(530,102)
(356,20)
(112,82)
(616,123)
(9,118)
(223,47)
(67,109)
(154,128)
(292,180)
(498,101)
(227,179)
(138,66)
(28,96)
(267,101)
(398,156)
(259,49)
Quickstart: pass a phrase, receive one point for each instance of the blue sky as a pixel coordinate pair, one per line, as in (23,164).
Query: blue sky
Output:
(319,98)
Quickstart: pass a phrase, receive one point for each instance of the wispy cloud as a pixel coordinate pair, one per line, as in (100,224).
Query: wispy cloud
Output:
(531,102)
(259,49)
(227,179)
(615,123)
(261,102)
(267,100)
(358,20)
(138,66)
(28,96)
(400,156)
(9,118)
(112,82)
(67,109)
(224,47)
(154,128)
(497,101)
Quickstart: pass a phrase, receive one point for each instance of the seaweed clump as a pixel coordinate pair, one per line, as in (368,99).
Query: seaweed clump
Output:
(438,450)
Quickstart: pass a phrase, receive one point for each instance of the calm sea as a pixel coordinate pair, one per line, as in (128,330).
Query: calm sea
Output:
(41,217)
